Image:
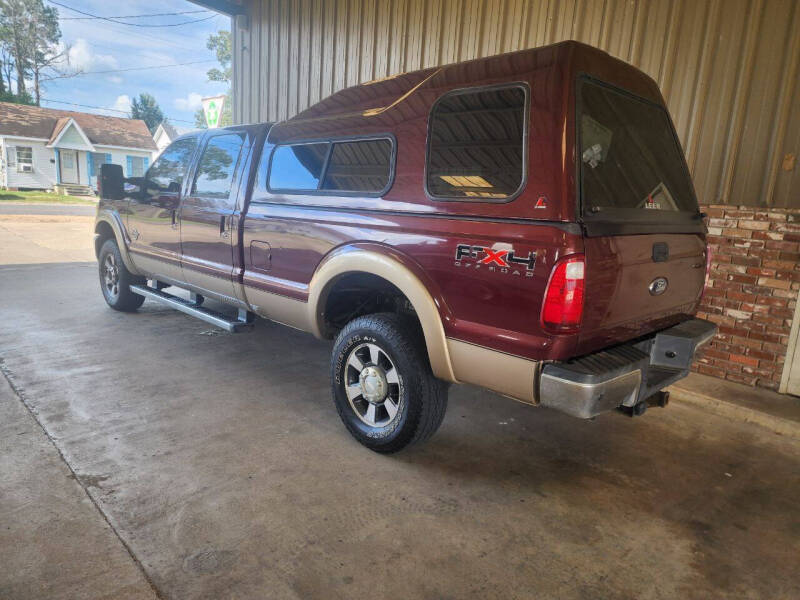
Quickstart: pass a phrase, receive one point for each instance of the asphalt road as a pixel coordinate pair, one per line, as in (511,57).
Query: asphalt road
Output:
(73,210)
(215,466)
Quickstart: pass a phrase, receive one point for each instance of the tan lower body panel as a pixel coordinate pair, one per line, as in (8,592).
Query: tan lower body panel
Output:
(152,267)
(221,286)
(505,374)
(289,311)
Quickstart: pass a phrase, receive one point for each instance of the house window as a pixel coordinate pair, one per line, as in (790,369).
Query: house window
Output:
(136,166)
(98,160)
(476,144)
(24,159)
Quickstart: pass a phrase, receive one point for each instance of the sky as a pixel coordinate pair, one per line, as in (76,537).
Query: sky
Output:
(97,45)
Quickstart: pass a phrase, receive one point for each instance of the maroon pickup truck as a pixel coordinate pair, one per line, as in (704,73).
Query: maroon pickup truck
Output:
(524,222)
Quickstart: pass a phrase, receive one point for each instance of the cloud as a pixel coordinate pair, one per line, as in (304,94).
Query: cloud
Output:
(122,103)
(81,57)
(115,79)
(192,102)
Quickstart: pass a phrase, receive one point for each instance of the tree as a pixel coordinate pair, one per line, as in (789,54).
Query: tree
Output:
(14,26)
(146,108)
(29,40)
(15,98)
(44,35)
(6,67)
(221,44)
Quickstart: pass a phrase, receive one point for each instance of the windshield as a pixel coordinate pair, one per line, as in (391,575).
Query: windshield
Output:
(630,156)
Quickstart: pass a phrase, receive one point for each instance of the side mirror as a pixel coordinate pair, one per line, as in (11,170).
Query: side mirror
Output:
(112,183)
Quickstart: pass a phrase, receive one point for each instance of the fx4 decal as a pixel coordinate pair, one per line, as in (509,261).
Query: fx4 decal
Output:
(501,258)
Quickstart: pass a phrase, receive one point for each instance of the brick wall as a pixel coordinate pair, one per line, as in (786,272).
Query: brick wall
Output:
(752,292)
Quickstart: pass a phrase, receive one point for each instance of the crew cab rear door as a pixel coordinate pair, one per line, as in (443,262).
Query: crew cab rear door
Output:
(645,239)
(206,213)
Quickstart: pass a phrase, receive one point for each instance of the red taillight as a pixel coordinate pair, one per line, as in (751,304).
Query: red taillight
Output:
(563,301)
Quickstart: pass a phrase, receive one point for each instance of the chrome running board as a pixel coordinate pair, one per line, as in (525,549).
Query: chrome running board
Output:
(194,309)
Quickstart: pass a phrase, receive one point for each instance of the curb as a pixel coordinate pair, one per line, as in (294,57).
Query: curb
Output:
(737,412)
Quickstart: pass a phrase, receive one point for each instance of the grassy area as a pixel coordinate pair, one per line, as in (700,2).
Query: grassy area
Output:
(41,197)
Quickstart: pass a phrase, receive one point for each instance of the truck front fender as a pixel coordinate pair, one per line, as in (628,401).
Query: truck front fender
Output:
(387,264)
(110,219)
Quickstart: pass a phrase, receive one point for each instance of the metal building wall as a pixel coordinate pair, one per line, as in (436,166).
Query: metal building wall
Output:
(728,68)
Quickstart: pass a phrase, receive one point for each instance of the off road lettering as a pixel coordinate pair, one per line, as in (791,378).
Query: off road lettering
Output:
(468,256)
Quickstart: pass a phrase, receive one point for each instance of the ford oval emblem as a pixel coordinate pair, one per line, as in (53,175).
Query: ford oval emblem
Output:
(658,286)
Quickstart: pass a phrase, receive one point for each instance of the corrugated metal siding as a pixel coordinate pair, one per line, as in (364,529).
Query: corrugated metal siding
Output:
(728,68)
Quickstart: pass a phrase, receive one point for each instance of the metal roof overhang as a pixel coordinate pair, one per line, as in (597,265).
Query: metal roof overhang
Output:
(228,7)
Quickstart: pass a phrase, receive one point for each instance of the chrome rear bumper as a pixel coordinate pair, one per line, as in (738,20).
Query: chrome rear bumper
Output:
(623,375)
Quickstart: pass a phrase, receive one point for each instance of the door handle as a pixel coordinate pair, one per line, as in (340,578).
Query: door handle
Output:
(222,228)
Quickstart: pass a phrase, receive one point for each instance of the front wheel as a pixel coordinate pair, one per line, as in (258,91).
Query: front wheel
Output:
(383,386)
(115,279)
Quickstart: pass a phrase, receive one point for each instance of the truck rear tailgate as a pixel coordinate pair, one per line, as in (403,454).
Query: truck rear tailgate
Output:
(638,284)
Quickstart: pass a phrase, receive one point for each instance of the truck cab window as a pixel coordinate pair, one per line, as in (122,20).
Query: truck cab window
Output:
(169,169)
(217,166)
(357,166)
(477,144)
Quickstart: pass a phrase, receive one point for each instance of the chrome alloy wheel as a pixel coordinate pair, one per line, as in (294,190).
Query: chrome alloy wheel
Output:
(372,385)
(111,275)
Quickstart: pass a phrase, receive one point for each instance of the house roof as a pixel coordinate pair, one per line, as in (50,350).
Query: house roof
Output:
(60,124)
(171,130)
(37,122)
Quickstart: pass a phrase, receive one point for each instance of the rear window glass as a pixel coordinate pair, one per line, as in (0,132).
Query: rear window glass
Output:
(630,156)
(297,167)
(476,144)
(358,166)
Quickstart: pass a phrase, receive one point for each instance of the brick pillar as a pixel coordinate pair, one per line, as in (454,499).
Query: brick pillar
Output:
(752,292)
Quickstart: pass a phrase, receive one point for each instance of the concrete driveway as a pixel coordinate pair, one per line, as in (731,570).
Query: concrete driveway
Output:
(208,465)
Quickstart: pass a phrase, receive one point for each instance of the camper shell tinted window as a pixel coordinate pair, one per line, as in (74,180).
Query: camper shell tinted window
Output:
(631,161)
(477,144)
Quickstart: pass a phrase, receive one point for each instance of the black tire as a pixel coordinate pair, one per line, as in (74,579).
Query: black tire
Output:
(116,286)
(418,399)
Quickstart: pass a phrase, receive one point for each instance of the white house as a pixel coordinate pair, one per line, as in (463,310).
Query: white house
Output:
(43,148)
(165,133)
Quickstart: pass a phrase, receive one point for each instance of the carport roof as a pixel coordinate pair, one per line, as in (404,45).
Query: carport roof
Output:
(45,123)
(228,7)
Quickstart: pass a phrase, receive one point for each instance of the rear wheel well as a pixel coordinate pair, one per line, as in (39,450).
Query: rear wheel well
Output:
(357,294)
(103,232)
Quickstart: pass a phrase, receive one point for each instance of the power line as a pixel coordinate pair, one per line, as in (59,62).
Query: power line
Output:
(112,20)
(169,14)
(116,110)
(152,37)
(70,76)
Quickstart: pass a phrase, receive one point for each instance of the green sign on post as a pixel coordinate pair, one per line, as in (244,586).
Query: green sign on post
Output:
(212,108)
